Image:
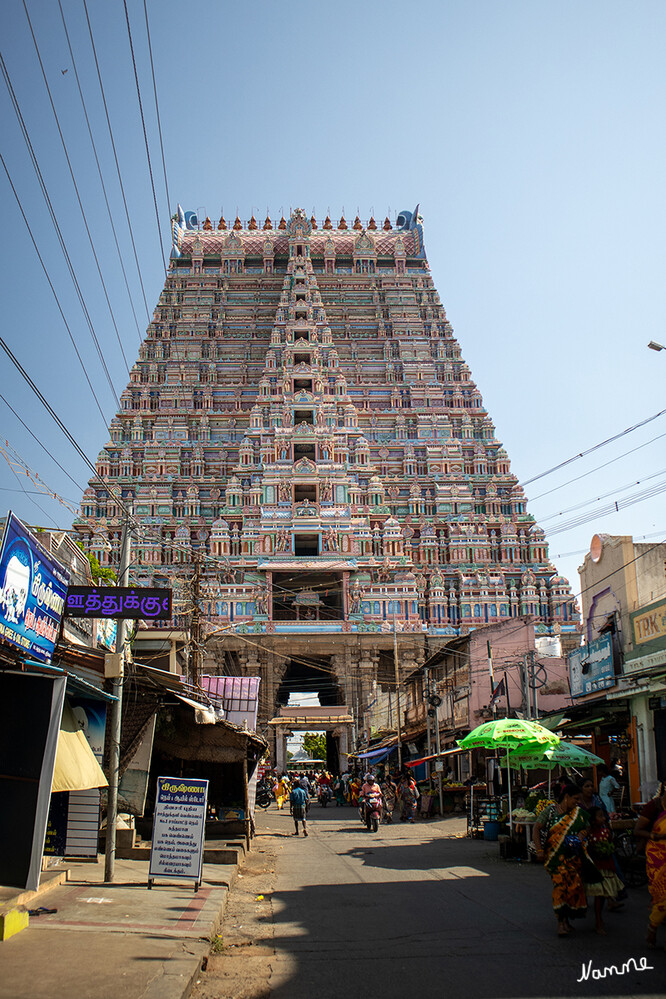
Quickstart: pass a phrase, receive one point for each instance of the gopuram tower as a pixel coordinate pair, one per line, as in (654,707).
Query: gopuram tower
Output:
(300,420)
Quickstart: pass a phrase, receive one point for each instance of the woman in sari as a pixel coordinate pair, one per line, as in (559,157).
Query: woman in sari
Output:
(282,791)
(390,792)
(651,827)
(408,796)
(559,840)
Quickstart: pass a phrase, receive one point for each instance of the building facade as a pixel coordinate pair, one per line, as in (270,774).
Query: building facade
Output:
(301,423)
(618,678)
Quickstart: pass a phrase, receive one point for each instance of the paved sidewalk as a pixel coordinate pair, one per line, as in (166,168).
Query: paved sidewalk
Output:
(117,941)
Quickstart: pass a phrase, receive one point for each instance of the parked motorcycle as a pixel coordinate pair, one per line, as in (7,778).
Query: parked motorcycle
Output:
(325,795)
(264,794)
(371,811)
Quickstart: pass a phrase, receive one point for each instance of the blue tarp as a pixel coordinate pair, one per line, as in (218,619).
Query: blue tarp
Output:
(376,754)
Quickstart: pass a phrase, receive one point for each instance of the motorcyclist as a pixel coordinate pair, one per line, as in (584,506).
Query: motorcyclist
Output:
(370,789)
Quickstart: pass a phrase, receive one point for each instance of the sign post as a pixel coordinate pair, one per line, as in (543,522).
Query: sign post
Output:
(178,829)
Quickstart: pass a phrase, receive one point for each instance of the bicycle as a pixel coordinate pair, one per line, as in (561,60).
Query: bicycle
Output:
(630,859)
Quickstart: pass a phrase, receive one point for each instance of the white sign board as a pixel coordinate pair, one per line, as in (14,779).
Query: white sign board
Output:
(178,829)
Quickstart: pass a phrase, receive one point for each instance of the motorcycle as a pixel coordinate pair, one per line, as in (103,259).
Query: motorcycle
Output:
(325,795)
(371,811)
(264,794)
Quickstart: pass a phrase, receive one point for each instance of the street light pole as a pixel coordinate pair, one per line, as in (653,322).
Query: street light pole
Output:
(397,691)
(116,721)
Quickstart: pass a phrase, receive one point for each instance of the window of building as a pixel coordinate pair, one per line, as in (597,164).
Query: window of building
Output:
(304,416)
(305,491)
(306,544)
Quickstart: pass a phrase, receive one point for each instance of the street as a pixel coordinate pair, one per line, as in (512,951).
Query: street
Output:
(414,909)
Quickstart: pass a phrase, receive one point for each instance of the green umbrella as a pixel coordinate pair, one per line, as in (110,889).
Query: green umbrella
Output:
(509,734)
(540,757)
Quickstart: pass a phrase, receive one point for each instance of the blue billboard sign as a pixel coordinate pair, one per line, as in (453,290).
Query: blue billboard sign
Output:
(591,667)
(32,592)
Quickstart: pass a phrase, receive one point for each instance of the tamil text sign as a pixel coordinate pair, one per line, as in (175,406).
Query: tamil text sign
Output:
(119,602)
(32,592)
(178,828)
(591,667)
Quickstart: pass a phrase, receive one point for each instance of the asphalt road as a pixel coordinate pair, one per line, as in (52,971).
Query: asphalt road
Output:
(415,910)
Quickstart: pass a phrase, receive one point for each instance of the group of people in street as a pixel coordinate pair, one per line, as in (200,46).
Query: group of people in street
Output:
(574,839)
(398,791)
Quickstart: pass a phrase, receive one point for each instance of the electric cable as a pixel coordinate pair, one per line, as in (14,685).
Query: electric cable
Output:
(157,107)
(42,445)
(595,447)
(54,220)
(76,191)
(115,156)
(55,294)
(616,489)
(145,136)
(598,468)
(99,171)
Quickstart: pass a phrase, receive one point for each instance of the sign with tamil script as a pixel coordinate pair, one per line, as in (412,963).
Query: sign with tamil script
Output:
(649,624)
(140,603)
(178,829)
(591,667)
(32,592)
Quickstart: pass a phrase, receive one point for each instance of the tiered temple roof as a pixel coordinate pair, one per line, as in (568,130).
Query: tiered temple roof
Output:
(301,415)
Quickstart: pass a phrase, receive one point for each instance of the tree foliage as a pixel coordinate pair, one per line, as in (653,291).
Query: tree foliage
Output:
(98,571)
(314,744)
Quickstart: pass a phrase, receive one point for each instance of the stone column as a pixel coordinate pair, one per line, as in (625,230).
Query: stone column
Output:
(280,750)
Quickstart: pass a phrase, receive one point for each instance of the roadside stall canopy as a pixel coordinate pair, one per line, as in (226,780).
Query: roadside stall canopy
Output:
(434,756)
(376,755)
(76,768)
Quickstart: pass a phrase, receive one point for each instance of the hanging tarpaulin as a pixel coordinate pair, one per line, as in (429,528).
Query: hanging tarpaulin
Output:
(76,768)
(376,755)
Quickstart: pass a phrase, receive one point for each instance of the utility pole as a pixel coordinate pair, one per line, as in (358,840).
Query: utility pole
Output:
(492,680)
(397,691)
(532,656)
(116,720)
(195,627)
(439,763)
(426,696)
(526,688)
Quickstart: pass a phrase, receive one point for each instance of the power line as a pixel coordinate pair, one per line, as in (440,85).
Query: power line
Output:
(51,286)
(596,447)
(598,468)
(76,189)
(595,499)
(115,157)
(99,171)
(157,109)
(43,447)
(145,136)
(54,220)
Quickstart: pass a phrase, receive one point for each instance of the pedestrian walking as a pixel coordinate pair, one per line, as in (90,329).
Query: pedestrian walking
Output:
(298,800)
(607,787)
(559,839)
(600,847)
(281,791)
(408,796)
(651,827)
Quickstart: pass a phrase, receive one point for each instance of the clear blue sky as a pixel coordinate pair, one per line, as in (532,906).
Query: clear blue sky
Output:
(530,133)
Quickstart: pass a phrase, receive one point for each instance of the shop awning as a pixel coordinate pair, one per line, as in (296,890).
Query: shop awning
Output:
(76,768)
(376,755)
(204,714)
(81,686)
(435,756)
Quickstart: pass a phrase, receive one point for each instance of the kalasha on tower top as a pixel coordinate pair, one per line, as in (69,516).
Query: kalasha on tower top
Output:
(300,413)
